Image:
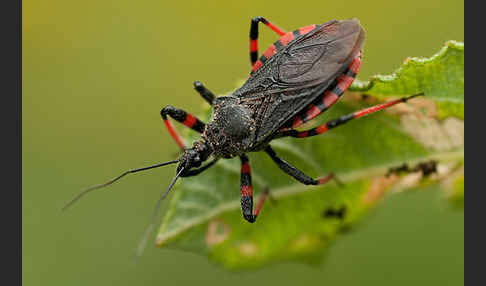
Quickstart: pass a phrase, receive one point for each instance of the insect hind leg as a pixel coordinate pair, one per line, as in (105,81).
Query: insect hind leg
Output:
(343,119)
(254,36)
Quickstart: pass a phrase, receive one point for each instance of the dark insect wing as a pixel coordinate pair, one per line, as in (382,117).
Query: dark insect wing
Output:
(318,56)
(299,72)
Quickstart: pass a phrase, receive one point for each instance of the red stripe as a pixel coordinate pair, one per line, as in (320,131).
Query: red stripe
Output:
(321,129)
(173,133)
(324,179)
(253,45)
(312,112)
(275,28)
(190,121)
(270,51)
(297,122)
(245,168)
(302,134)
(376,108)
(260,203)
(257,65)
(285,39)
(307,29)
(329,98)
(344,82)
(246,191)
(355,64)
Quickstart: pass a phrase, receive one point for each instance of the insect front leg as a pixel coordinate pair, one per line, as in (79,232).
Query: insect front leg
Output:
(182,117)
(254,36)
(246,191)
(343,119)
(296,173)
(204,92)
(195,172)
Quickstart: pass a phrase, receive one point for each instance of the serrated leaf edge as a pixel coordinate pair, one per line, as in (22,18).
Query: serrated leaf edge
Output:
(363,86)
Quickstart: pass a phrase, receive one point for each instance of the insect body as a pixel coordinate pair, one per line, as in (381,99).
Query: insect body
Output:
(297,78)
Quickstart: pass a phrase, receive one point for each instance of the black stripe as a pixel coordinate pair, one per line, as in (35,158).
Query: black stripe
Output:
(278,45)
(247,208)
(254,56)
(338,91)
(204,92)
(332,86)
(243,159)
(291,132)
(312,132)
(350,73)
(263,59)
(339,121)
(177,114)
(303,116)
(180,115)
(245,179)
(318,103)
(322,107)
(296,34)
(254,29)
(199,126)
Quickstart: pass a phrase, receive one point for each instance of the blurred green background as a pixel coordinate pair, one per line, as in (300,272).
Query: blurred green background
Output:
(97,73)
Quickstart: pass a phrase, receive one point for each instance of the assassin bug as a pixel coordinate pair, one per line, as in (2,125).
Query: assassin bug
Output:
(297,78)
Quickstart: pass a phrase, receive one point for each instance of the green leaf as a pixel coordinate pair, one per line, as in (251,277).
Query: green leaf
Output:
(300,222)
(440,77)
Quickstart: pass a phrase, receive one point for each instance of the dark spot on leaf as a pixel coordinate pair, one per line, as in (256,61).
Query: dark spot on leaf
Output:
(365,96)
(397,170)
(427,168)
(338,213)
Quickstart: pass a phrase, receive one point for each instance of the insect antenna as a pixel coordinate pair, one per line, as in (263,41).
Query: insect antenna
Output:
(148,230)
(80,195)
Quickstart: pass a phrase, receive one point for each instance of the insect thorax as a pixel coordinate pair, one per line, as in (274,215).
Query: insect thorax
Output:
(230,129)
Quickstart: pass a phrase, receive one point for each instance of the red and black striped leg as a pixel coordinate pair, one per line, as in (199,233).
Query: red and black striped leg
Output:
(254,36)
(294,172)
(182,117)
(343,119)
(329,97)
(204,92)
(246,191)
